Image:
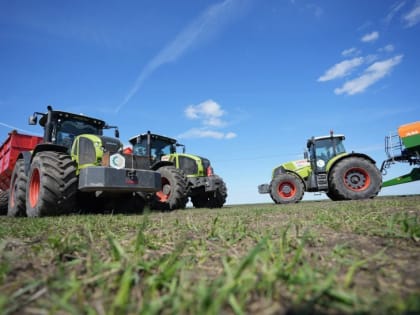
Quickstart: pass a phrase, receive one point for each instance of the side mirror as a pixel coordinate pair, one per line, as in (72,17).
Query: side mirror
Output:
(33,119)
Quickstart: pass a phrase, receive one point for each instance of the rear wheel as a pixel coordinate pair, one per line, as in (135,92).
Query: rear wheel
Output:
(4,196)
(286,188)
(17,198)
(173,194)
(354,178)
(52,185)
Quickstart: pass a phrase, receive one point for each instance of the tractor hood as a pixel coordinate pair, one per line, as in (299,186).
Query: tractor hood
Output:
(301,167)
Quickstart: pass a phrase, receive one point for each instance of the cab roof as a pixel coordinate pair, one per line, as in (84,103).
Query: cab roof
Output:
(153,136)
(65,115)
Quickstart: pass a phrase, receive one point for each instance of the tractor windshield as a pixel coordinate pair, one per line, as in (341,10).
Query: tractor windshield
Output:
(67,130)
(328,148)
(158,148)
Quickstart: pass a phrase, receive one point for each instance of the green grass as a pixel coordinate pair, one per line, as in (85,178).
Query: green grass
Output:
(358,257)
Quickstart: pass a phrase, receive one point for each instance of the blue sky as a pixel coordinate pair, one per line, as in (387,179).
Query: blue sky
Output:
(242,82)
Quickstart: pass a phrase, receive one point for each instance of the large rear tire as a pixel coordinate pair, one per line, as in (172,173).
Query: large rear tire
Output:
(286,188)
(4,196)
(52,185)
(173,194)
(17,192)
(354,178)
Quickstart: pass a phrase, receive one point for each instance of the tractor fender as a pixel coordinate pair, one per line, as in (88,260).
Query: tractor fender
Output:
(48,147)
(345,156)
(160,164)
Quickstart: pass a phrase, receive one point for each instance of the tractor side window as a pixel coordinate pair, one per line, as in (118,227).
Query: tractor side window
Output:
(139,149)
(339,147)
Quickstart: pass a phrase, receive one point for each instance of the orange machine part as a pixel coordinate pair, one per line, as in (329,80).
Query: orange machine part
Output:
(409,129)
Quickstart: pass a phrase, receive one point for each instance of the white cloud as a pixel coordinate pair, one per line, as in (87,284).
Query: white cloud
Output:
(208,111)
(341,69)
(370,37)
(353,51)
(413,17)
(371,75)
(206,133)
(387,48)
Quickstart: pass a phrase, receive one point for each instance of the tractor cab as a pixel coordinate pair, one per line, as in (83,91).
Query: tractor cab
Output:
(322,149)
(154,146)
(61,128)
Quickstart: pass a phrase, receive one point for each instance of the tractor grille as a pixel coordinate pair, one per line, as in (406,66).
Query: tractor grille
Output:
(87,153)
(189,166)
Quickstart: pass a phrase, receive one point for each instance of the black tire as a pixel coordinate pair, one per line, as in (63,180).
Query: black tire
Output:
(4,197)
(354,178)
(17,192)
(211,199)
(174,190)
(286,188)
(52,185)
(333,197)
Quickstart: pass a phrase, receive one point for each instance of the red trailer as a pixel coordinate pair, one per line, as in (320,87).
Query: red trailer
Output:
(9,152)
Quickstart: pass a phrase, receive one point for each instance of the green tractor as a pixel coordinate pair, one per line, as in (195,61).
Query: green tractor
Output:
(76,167)
(327,168)
(183,175)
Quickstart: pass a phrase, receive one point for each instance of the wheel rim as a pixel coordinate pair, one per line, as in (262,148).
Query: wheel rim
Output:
(286,190)
(34,187)
(165,193)
(357,179)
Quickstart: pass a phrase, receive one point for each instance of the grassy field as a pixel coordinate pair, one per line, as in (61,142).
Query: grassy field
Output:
(323,257)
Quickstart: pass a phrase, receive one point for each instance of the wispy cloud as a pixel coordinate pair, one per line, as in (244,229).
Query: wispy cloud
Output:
(209,114)
(395,8)
(341,69)
(206,133)
(371,75)
(370,37)
(353,51)
(207,25)
(388,48)
(16,128)
(412,18)
(316,9)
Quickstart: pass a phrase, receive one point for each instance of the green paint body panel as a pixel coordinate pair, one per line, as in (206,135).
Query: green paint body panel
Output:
(303,168)
(413,176)
(174,158)
(97,144)
(412,142)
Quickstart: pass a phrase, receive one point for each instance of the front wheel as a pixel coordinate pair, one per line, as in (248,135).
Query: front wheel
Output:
(354,178)
(173,194)
(52,185)
(286,188)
